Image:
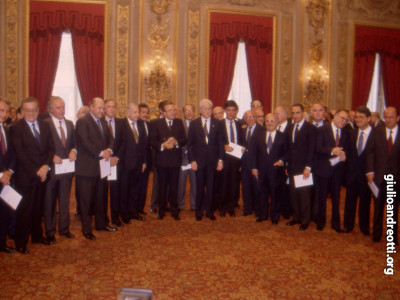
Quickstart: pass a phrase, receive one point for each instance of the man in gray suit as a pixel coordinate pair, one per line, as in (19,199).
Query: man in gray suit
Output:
(188,115)
(59,186)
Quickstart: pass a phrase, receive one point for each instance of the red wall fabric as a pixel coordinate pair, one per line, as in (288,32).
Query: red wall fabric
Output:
(47,22)
(368,42)
(225,32)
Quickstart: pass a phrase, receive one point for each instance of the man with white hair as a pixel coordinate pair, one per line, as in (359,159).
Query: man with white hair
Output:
(205,153)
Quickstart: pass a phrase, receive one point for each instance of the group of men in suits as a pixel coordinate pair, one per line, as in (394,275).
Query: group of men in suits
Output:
(275,150)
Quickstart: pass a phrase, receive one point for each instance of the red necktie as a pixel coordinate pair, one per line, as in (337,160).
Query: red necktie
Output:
(2,141)
(62,132)
(390,142)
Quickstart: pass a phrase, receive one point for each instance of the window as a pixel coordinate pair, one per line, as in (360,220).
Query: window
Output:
(65,84)
(240,89)
(376,99)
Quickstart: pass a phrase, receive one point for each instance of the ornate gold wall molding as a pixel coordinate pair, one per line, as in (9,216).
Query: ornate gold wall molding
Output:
(370,10)
(286,61)
(342,74)
(122,57)
(193,57)
(12,51)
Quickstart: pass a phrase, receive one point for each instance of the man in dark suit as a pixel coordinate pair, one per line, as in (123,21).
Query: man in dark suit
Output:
(94,142)
(188,115)
(205,153)
(376,120)
(300,161)
(144,115)
(332,148)
(59,186)
(230,173)
(7,167)
(249,182)
(383,160)
(356,181)
(268,155)
(133,163)
(167,137)
(115,128)
(34,150)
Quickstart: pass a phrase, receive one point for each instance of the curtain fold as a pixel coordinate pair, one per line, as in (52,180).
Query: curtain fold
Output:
(47,22)
(225,32)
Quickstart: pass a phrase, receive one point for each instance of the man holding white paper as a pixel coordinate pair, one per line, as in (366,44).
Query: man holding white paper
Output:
(300,162)
(332,148)
(7,167)
(93,142)
(59,185)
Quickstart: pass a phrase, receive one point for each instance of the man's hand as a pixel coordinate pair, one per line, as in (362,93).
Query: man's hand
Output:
(370,177)
(143,167)
(42,172)
(254,172)
(342,156)
(337,150)
(278,163)
(220,165)
(5,179)
(168,144)
(57,160)
(114,161)
(106,154)
(228,148)
(306,173)
(72,155)
(194,165)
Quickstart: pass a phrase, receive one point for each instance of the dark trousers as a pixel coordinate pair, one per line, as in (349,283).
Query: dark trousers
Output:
(379,208)
(30,212)
(182,188)
(268,195)
(5,219)
(230,183)
(130,187)
(154,192)
(300,199)
(144,181)
(57,188)
(92,188)
(283,195)
(168,178)
(115,198)
(357,189)
(249,192)
(331,184)
(217,191)
(204,190)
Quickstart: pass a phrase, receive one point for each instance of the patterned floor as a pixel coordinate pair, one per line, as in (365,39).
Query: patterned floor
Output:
(232,258)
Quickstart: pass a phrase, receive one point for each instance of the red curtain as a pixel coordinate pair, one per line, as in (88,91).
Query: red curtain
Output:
(368,42)
(47,22)
(225,32)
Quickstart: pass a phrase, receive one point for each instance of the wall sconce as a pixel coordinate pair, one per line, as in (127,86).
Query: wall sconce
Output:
(317,78)
(157,84)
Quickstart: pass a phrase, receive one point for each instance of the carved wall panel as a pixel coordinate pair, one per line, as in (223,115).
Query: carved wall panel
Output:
(193,57)
(286,54)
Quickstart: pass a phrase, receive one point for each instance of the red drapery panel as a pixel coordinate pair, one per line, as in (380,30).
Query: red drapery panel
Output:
(225,32)
(47,21)
(368,42)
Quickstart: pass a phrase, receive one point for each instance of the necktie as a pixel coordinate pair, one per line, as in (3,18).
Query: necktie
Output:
(205,130)
(110,127)
(135,133)
(37,135)
(269,143)
(316,125)
(296,131)
(170,125)
(62,133)
(390,142)
(2,141)
(101,128)
(232,137)
(248,134)
(279,127)
(337,138)
(360,143)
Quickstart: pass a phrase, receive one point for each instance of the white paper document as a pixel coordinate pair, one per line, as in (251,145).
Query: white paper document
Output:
(66,166)
(299,181)
(10,196)
(105,168)
(374,188)
(187,167)
(113,175)
(334,161)
(237,150)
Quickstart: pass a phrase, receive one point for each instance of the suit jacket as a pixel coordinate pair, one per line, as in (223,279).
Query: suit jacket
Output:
(159,133)
(249,144)
(185,158)
(132,154)
(118,137)
(60,150)
(263,161)
(378,159)
(239,133)
(200,151)
(30,155)
(90,141)
(301,152)
(356,165)
(324,145)
(7,162)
